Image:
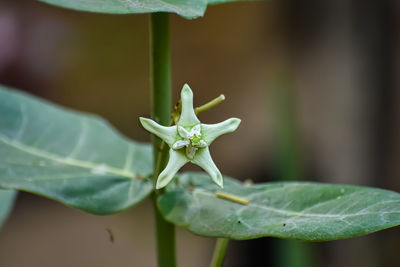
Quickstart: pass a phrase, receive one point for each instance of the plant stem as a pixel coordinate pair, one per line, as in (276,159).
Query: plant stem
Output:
(210,104)
(160,69)
(219,252)
(289,164)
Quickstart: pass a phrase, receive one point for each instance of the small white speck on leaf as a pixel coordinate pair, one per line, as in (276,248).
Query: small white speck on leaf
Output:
(100,170)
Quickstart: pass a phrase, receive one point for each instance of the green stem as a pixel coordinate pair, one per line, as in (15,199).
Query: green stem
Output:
(210,104)
(219,252)
(160,68)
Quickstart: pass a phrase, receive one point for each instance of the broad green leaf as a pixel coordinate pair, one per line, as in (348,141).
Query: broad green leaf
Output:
(305,211)
(75,158)
(214,2)
(184,8)
(7,198)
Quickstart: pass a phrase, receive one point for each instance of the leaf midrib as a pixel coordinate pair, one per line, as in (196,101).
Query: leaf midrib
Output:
(67,161)
(299,214)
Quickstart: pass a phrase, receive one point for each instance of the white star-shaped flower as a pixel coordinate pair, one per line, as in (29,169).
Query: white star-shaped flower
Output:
(189,140)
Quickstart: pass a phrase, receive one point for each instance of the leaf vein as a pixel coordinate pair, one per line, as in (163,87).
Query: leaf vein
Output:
(67,161)
(302,214)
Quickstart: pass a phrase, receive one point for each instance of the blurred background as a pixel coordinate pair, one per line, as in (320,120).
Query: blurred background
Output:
(314,82)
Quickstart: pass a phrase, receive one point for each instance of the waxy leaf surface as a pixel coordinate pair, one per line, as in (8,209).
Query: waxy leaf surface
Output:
(75,158)
(184,8)
(304,211)
(7,198)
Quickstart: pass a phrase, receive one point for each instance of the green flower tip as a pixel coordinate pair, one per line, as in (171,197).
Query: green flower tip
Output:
(189,140)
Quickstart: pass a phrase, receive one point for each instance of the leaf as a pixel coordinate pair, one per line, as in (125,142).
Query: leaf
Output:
(185,8)
(305,211)
(7,198)
(214,2)
(75,158)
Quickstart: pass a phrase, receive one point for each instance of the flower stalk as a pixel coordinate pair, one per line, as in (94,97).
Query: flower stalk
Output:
(210,104)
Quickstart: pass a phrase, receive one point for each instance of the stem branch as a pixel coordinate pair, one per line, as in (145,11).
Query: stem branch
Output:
(210,104)
(219,252)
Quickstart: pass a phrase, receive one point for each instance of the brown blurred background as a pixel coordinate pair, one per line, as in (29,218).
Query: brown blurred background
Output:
(314,82)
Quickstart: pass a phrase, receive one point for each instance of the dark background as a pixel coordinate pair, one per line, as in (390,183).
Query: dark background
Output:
(315,83)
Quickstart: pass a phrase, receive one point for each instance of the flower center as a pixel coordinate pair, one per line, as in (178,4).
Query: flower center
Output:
(195,140)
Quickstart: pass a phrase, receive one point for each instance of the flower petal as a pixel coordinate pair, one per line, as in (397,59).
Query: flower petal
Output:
(212,131)
(168,134)
(204,160)
(191,151)
(183,133)
(180,143)
(195,130)
(188,117)
(203,143)
(176,161)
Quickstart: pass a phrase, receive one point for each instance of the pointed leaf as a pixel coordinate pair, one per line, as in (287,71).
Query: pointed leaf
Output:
(7,198)
(306,211)
(75,158)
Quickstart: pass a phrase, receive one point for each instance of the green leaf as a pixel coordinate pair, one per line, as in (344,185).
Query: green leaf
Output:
(305,211)
(7,198)
(75,158)
(214,2)
(184,8)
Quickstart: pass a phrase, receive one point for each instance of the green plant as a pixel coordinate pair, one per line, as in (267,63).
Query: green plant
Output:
(83,162)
